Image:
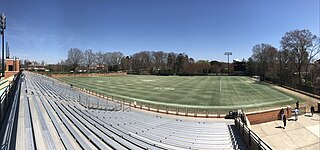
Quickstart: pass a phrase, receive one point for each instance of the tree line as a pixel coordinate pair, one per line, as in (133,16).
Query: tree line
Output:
(293,62)
(143,62)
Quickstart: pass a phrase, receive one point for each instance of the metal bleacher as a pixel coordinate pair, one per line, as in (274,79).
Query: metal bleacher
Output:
(51,115)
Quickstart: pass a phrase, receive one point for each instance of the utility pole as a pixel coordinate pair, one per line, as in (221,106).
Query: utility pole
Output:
(228,53)
(7,51)
(3,27)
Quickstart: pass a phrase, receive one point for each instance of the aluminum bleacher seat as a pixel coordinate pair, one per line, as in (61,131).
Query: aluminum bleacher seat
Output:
(83,121)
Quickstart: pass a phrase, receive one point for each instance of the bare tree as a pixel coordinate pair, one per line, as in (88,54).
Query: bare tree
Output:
(112,60)
(88,58)
(115,60)
(313,51)
(107,57)
(251,69)
(74,58)
(298,42)
(159,59)
(99,56)
(106,60)
(272,61)
(126,63)
(179,63)
(203,66)
(216,66)
(171,61)
(264,57)
(315,74)
(192,66)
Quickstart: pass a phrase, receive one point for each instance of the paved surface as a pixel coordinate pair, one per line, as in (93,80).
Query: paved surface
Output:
(301,134)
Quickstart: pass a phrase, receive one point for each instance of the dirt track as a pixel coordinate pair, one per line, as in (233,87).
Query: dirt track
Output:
(308,100)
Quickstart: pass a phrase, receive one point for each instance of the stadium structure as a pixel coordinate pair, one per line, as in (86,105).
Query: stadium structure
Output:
(120,111)
(45,113)
(48,116)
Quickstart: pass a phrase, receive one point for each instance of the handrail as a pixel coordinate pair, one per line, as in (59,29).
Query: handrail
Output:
(4,93)
(250,136)
(9,102)
(5,97)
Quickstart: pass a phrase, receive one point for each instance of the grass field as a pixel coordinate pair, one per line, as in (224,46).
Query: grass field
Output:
(197,91)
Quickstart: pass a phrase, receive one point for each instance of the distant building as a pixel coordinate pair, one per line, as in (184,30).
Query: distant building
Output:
(98,67)
(36,67)
(239,67)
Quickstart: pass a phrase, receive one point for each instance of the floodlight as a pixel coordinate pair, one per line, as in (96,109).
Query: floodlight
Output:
(228,53)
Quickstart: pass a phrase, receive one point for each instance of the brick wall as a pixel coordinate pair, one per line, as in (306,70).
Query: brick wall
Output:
(10,73)
(267,115)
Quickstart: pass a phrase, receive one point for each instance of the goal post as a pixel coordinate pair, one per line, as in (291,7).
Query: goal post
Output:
(256,78)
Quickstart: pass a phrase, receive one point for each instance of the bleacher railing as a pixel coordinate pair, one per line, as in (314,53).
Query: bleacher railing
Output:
(253,141)
(5,97)
(175,110)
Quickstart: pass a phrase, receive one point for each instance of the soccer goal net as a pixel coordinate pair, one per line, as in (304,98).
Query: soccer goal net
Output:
(256,78)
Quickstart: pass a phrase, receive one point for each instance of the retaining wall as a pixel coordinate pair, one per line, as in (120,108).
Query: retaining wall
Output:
(87,74)
(268,115)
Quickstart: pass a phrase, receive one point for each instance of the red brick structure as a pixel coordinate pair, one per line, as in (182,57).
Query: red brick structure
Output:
(268,115)
(12,67)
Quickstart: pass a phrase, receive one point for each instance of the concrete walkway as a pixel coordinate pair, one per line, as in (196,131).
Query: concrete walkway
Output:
(301,134)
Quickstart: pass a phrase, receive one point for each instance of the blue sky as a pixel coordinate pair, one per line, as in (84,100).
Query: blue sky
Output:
(204,29)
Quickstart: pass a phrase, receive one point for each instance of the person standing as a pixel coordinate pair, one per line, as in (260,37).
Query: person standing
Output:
(296,112)
(284,121)
(281,114)
(297,104)
(312,110)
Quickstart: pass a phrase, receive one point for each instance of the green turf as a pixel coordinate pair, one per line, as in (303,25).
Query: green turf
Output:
(197,91)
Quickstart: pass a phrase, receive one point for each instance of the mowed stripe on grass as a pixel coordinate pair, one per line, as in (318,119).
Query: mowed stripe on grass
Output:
(215,91)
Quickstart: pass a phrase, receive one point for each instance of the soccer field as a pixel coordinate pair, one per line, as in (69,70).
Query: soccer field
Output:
(222,92)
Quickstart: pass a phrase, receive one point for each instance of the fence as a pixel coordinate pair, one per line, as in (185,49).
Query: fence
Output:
(168,109)
(183,110)
(253,141)
(60,75)
(304,88)
(6,96)
(191,111)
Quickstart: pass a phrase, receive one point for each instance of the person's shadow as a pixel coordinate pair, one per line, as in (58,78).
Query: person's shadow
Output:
(279,127)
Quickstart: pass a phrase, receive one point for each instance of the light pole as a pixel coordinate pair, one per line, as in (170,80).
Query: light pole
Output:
(228,53)
(3,27)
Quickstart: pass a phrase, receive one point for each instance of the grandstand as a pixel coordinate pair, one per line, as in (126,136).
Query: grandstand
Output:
(50,115)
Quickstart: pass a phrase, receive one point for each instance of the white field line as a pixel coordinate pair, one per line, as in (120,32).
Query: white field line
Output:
(250,86)
(258,90)
(244,82)
(193,106)
(220,84)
